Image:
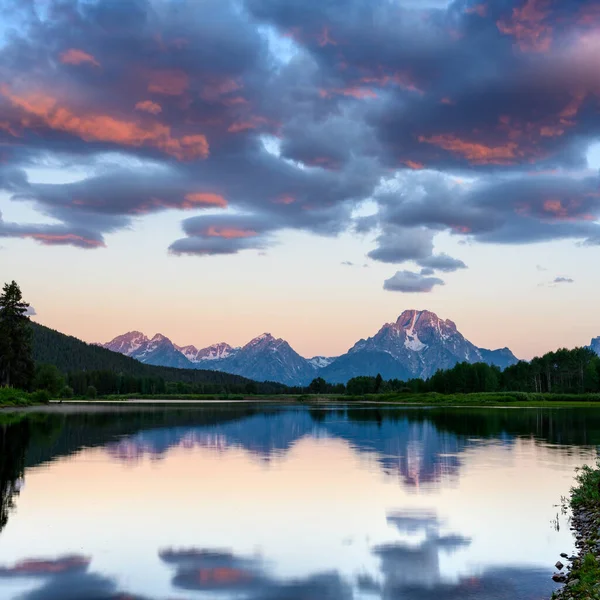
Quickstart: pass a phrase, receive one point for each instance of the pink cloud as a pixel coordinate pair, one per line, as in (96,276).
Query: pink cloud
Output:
(73,56)
(149,107)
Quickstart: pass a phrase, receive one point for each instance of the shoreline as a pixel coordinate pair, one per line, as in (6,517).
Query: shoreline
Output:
(323,403)
(315,402)
(581,572)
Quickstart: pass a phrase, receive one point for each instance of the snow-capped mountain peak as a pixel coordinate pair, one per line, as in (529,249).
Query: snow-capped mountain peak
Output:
(417,344)
(266,339)
(128,343)
(422,343)
(211,353)
(156,351)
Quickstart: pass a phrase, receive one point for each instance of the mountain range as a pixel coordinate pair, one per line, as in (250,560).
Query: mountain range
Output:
(416,345)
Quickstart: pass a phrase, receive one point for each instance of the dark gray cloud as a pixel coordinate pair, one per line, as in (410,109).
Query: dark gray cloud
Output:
(563,280)
(409,282)
(516,209)
(50,235)
(397,245)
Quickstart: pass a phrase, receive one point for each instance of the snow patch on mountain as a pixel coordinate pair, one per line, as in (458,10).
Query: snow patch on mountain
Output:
(210,353)
(319,362)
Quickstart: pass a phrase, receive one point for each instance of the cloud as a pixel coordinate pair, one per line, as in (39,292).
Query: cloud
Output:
(226,234)
(74,56)
(516,209)
(442,262)
(563,280)
(409,282)
(149,107)
(397,245)
(31,312)
(52,235)
(224,118)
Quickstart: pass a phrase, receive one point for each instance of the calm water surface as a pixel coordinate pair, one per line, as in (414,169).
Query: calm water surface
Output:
(287,503)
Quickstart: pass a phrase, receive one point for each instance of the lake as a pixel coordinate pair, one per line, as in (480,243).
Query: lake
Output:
(287,503)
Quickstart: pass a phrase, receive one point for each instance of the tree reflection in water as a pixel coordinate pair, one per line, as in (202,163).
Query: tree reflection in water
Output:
(14,439)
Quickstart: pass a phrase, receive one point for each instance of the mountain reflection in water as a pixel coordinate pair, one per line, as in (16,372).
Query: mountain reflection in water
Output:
(286,503)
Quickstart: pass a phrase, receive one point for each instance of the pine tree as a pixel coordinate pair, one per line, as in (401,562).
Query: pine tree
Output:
(16,362)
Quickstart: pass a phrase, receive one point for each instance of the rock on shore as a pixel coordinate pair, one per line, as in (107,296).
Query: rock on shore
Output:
(582,580)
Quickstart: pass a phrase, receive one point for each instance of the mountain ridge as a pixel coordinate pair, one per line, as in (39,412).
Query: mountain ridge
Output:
(416,345)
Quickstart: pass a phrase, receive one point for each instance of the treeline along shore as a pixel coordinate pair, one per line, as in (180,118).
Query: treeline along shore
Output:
(38,363)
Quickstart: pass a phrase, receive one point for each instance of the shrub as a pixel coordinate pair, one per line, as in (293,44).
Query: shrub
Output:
(41,396)
(92,392)
(67,392)
(586,492)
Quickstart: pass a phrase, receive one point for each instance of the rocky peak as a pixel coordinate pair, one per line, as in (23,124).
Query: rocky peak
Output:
(595,345)
(127,343)
(266,339)
(159,337)
(421,319)
(133,334)
(187,349)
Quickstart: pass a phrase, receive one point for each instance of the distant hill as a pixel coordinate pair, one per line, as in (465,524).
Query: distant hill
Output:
(72,355)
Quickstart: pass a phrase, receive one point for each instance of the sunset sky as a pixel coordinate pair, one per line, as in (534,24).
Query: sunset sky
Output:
(215,169)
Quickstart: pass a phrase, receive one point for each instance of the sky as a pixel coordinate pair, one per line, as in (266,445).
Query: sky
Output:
(215,169)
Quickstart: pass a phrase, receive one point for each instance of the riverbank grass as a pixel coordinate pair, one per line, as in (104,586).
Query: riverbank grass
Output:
(583,581)
(11,397)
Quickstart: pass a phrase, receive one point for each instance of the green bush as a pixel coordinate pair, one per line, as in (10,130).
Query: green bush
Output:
(41,397)
(587,490)
(91,392)
(12,397)
(67,392)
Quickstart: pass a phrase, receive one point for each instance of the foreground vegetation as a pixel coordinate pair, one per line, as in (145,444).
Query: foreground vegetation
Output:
(14,397)
(583,580)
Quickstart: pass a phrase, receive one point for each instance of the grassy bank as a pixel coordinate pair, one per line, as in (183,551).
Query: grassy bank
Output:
(10,397)
(583,580)
(517,399)
(14,398)
(489,398)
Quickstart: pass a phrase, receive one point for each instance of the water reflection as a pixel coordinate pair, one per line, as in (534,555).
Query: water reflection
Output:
(217,572)
(209,570)
(64,578)
(408,564)
(14,440)
(329,504)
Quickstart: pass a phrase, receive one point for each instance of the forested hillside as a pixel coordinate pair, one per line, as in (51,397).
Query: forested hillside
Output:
(86,364)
